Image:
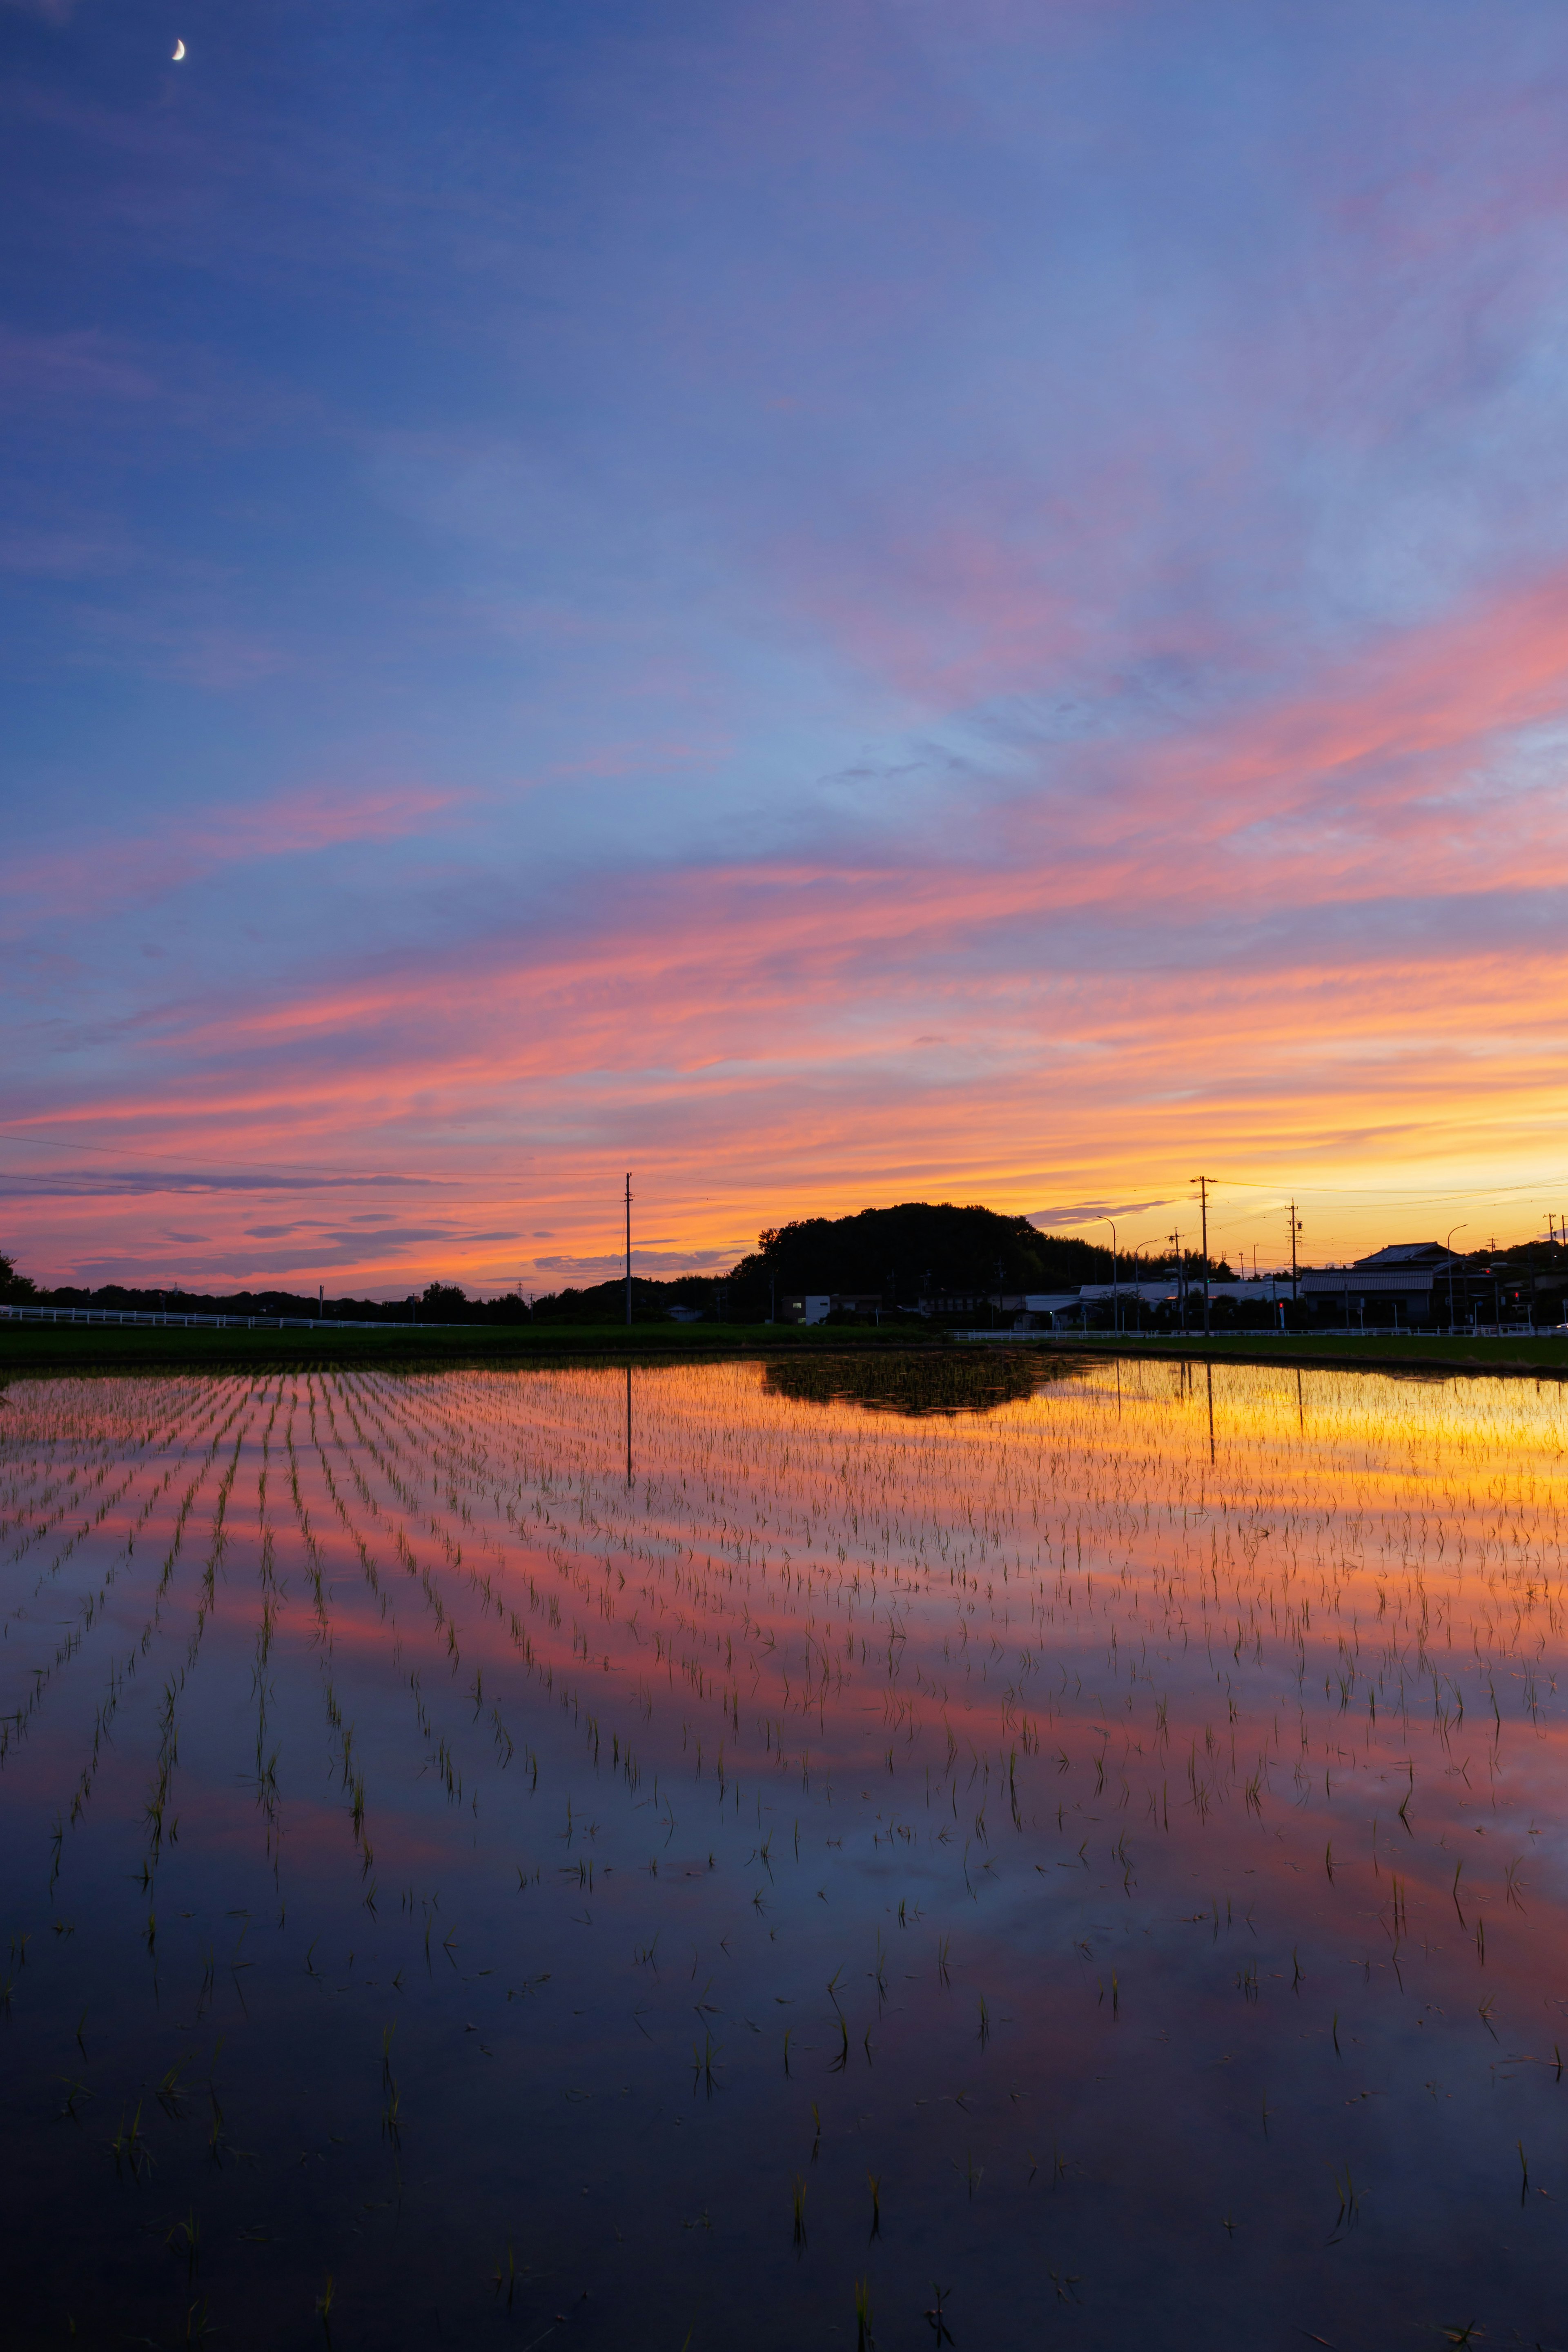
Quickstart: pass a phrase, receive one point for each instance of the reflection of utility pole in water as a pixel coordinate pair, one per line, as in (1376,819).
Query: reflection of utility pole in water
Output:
(628,1425)
(1300,1408)
(1208,1377)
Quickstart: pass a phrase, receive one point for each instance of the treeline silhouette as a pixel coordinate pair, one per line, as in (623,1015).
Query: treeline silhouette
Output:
(893,1258)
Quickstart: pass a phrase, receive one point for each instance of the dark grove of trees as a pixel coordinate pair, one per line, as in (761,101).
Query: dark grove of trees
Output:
(898,1256)
(913,1252)
(440,1303)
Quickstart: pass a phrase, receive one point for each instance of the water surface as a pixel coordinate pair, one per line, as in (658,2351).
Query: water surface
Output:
(1068,1860)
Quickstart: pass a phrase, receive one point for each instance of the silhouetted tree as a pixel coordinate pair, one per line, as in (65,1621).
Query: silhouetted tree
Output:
(15,1287)
(444,1298)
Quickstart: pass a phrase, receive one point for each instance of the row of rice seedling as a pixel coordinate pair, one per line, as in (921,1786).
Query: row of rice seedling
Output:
(1141,1710)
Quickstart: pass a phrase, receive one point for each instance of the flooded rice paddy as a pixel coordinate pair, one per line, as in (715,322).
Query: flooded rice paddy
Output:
(827,1855)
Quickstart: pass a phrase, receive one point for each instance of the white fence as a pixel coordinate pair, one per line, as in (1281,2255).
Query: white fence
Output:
(212,1322)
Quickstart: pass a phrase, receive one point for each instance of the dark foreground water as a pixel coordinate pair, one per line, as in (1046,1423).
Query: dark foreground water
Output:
(962,1861)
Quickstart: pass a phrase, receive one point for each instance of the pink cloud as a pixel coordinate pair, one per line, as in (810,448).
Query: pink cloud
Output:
(303,822)
(81,365)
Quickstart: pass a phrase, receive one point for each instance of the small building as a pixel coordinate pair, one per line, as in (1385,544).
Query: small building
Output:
(1047,1310)
(817,1306)
(1408,1257)
(1350,1297)
(1405,1285)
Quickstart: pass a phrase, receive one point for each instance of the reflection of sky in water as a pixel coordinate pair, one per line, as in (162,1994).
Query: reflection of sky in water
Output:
(1145,1868)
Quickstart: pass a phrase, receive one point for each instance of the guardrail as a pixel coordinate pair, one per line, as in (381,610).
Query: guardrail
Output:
(213,1322)
(1291,1338)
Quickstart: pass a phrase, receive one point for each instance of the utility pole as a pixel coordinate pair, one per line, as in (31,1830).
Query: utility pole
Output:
(628,1246)
(1295,1229)
(1448,1246)
(1181,1277)
(1203,1183)
(1115,1278)
(1529,1277)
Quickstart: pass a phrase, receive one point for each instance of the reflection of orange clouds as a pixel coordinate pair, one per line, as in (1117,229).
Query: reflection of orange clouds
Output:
(1233,1662)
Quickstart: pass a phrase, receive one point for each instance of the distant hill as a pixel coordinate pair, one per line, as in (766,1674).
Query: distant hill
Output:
(917,1250)
(899,1255)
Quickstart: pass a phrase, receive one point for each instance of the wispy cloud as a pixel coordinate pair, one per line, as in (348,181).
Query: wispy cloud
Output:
(138,1183)
(1083,1212)
(302,822)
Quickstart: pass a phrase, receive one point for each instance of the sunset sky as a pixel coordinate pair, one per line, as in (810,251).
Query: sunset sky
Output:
(833,604)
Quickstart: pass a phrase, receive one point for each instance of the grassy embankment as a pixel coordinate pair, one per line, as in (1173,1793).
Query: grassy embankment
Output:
(1547,1352)
(409,1346)
(43,1347)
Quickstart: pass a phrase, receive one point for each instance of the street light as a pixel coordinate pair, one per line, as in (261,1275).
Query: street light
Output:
(1115,1286)
(1448,1245)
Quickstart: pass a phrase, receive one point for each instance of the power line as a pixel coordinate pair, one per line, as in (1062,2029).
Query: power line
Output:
(1376,1193)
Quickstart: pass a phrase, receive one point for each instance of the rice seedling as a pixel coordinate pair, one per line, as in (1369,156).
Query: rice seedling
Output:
(864,2339)
(185,2237)
(130,2148)
(936,2315)
(1345,2189)
(76,2091)
(171,2093)
(702,2064)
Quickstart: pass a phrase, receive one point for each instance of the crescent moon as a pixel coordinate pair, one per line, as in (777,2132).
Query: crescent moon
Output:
(179,51)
